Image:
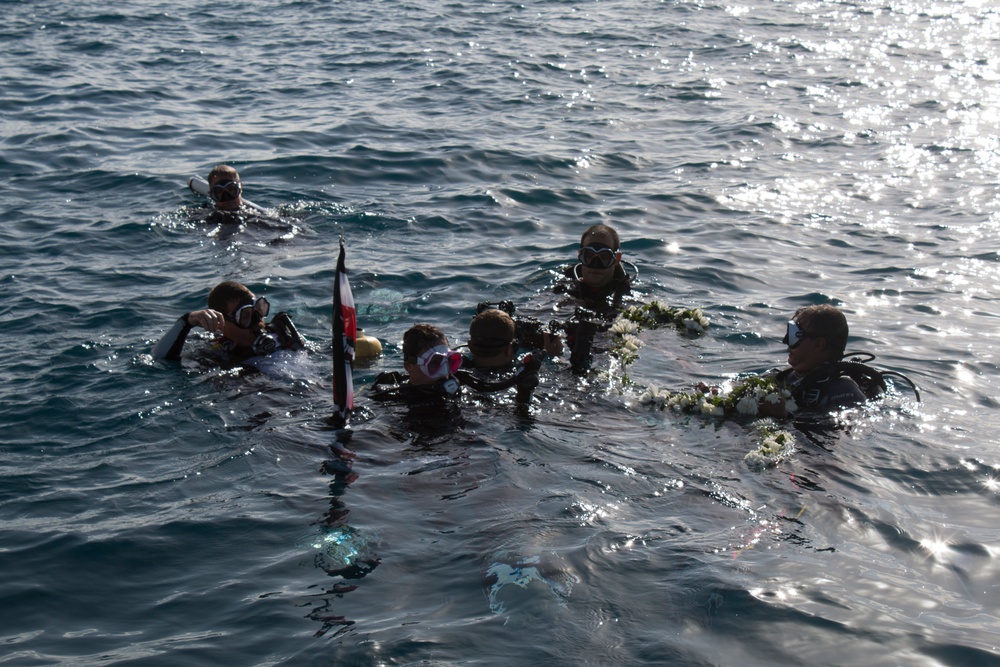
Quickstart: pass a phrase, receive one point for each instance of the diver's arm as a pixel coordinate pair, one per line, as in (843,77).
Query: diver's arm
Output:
(843,392)
(172,342)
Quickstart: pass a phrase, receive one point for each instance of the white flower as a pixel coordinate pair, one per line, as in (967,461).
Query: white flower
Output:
(655,396)
(775,445)
(770,446)
(709,408)
(747,405)
(681,401)
(693,325)
(790,404)
(623,326)
(631,343)
(773,398)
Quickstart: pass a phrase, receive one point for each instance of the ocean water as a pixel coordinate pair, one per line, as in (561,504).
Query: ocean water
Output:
(755,157)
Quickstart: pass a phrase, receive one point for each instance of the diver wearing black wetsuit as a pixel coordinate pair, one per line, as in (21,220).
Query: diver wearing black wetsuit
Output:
(816,337)
(238,315)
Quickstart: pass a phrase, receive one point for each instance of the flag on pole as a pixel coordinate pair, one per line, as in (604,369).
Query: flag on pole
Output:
(345,327)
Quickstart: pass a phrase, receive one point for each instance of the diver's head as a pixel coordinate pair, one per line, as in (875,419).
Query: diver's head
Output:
(599,255)
(491,338)
(244,314)
(815,335)
(224,188)
(426,355)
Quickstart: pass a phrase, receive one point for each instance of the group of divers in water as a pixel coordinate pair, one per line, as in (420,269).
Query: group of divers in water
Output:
(505,351)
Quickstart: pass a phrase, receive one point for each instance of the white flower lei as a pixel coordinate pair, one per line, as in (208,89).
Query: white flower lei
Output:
(634,319)
(775,445)
(744,399)
(654,313)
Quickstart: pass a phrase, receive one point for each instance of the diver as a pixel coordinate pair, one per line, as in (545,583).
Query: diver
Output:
(600,281)
(430,366)
(237,317)
(818,377)
(497,335)
(226,192)
(598,285)
(434,371)
(230,210)
(506,351)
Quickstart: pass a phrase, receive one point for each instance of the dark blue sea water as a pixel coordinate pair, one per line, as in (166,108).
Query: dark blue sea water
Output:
(755,157)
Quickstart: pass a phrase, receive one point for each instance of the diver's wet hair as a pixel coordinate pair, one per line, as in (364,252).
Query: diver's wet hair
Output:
(421,337)
(826,321)
(225,293)
(602,231)
(223,172)
(490,332)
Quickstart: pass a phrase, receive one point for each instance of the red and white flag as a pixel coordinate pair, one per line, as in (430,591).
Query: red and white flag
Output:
(345,330)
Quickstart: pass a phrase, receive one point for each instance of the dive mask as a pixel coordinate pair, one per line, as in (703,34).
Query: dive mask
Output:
(597,256)
(439,361)
(794,335)
(250,313)
(226,190)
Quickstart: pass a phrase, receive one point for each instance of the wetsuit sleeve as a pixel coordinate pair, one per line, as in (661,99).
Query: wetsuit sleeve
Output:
(172,342)
(842,392)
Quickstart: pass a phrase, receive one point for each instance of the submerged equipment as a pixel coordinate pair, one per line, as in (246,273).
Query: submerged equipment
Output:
(581,328)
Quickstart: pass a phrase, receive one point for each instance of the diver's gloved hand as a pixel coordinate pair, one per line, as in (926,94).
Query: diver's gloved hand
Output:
(287,335)
(527,376)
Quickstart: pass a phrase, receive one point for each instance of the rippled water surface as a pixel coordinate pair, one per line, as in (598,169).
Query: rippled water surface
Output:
(755,157)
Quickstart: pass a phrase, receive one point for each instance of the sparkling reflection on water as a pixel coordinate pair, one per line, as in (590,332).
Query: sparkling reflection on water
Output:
(754,159)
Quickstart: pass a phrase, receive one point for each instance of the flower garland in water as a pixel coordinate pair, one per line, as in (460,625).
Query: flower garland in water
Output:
(634,319)
(654,313)
(744,399)
(775,445)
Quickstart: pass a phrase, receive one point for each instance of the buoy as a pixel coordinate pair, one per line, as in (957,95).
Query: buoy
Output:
(366,347)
